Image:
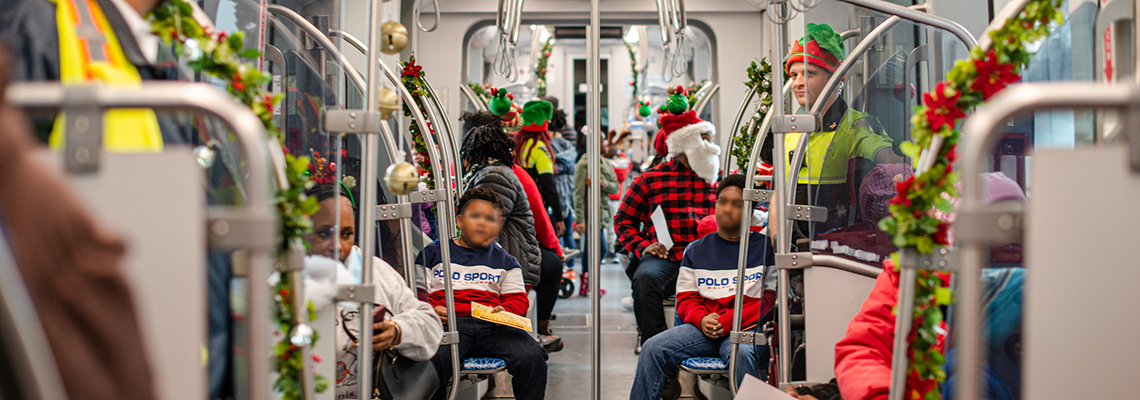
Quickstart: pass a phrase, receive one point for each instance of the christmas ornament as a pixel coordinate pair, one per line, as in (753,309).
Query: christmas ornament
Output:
(500,103)
(643,109)
(401,178)
(389,102)
(393,37)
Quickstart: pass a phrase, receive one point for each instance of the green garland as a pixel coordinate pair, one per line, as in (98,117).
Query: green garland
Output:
(633,67)
(540,69)
(223,56)
(413,80)
(760,79)
(912,222)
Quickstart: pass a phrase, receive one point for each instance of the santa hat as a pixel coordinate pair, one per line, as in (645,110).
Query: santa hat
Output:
(820,46)
(680,129)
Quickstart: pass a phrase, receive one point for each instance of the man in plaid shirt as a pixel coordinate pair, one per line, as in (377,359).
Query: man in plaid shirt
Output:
(684,189)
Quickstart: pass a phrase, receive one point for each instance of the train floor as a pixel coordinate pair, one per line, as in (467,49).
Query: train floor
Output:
(570,369)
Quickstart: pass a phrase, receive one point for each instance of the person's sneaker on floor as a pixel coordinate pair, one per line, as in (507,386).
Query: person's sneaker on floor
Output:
(672,389)
(627,302)
(637,350)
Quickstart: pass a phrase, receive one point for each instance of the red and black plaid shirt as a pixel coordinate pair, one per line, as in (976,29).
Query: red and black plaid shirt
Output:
(684,197)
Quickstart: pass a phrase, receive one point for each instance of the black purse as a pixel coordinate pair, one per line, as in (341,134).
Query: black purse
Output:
(401,378)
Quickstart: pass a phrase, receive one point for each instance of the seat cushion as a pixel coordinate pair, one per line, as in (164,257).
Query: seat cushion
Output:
(483,364)
(704,364)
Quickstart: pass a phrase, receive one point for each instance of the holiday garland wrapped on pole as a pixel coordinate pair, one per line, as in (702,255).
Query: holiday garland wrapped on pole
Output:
(413,80)
(222,56)
(759,79)
(540,68)
(912,222)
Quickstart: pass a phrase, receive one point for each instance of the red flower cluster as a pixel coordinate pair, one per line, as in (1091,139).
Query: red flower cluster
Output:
(236,82)
(411,69)
(942,237)
(903,188)
(943,107)
(993,76)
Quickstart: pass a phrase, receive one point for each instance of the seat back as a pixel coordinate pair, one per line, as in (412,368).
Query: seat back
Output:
(155,203)
(837,296)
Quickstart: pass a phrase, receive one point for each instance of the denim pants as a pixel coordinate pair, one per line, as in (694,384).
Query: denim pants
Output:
(586,239)
(526,360)
(567,239)
(666,350)
(654,279)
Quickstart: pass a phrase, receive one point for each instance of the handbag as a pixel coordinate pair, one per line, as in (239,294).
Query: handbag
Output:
(401,378)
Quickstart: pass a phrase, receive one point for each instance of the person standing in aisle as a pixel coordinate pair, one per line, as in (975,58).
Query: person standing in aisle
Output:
(682,189)
(582,183)
(534,153)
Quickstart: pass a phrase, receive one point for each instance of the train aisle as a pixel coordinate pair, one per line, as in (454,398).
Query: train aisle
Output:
(569,376)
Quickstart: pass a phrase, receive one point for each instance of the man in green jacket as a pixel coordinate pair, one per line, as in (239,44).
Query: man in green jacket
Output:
(581,186)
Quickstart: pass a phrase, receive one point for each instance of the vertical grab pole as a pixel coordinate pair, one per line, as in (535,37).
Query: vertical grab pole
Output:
(594,198)
(903,322)
(777,213)
(367,204)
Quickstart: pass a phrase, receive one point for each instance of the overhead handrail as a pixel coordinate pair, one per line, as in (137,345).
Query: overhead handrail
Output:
(249,131)
(419,15)
(673,21)
(22,337)
(979,135)
(507,22)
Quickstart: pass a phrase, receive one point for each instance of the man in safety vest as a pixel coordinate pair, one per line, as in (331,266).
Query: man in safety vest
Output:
(91,41)
(846,138)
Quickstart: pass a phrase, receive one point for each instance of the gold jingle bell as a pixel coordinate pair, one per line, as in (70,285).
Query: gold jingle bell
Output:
(389,102)
(393,37)
(401,178)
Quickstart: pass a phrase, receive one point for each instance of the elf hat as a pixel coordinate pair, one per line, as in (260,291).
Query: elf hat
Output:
(535,115)
(820,46)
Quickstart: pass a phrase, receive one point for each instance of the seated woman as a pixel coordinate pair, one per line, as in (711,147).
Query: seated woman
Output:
(484,273)
(413,330)
(706,292)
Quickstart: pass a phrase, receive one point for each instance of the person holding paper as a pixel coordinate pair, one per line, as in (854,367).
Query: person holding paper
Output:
(683,189)
(482,272)
(706,296)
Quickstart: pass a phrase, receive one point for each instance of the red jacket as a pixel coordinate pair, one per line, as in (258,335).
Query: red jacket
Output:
(542,226)
(863,356)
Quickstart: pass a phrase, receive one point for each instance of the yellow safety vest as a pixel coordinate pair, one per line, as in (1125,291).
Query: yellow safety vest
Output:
(828,152)
(89,52)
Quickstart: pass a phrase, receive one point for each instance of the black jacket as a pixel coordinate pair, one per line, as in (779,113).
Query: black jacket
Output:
(29,31)
(517,236)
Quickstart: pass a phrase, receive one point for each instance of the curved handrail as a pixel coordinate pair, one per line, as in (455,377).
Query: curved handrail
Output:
(979,135)
(250,132)
(473,98)
(843,264)
(1008,11)
(767,122)
(915,15)
(703,102)
(321,39)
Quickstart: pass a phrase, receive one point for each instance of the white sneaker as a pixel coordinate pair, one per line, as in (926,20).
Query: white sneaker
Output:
(627,302)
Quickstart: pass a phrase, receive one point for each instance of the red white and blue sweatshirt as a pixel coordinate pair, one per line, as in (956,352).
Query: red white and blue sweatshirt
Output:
(706,282)
(490,277)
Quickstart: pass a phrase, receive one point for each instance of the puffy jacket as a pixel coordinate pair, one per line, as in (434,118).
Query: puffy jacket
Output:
(517,236)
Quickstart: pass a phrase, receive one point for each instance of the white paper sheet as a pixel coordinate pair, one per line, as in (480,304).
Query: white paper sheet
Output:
(755,389)
(661,227)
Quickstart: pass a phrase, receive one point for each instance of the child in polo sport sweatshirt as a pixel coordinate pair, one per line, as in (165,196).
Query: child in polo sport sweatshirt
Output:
(706,291)
(484,273)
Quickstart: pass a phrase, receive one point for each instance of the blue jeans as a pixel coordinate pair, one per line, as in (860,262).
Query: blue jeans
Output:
(567,239)
(665,351)
(586,239)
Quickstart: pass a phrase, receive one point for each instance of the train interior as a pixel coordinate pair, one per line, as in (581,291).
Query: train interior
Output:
(364,98)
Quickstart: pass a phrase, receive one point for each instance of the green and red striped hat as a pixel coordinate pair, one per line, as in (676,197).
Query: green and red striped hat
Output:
(823,48)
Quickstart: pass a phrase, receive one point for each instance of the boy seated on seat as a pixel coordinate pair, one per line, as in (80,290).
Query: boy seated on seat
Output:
(706,290)
(482,272)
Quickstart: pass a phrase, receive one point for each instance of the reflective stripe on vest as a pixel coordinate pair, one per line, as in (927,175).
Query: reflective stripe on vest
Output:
(90,53)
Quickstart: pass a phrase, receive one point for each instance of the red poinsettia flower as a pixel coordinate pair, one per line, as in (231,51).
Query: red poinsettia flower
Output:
(952,154)
(942,237)
(993,76)
(903,188)
(919,386)
(943,108)
(411,69)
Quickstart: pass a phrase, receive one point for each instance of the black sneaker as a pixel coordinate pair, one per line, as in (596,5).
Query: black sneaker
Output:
(672,389)
(637,350)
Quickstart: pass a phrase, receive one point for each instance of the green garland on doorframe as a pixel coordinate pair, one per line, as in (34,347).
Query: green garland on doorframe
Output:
(540,69)
(912,222)
(223,56)
(759,78)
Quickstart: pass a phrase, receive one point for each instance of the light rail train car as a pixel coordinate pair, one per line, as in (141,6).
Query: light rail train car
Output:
(568,199)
